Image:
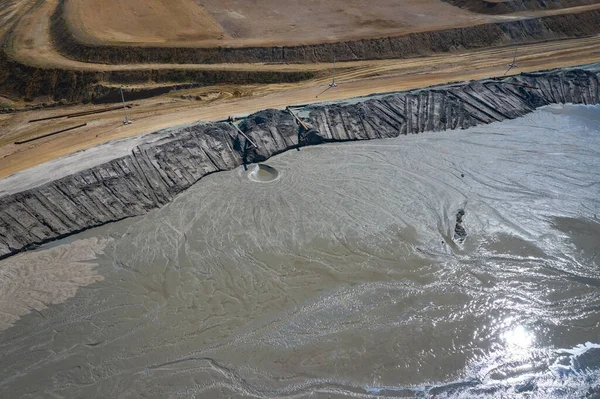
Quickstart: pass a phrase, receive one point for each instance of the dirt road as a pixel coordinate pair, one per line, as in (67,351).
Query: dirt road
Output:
(356,79)
(262,23)
(31,44)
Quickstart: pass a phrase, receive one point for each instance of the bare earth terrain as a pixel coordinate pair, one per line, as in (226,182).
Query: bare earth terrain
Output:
(239,22)
(511,6)
(355,79)
(461,261)
(270,22)
(153,21)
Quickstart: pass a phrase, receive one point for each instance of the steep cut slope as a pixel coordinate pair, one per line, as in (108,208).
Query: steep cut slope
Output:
(83,86)
(168,162)
(499,7)
(190,23)
(550,27)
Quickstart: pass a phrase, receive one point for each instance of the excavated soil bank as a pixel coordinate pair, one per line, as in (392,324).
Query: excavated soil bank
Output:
(498,7)
(189,23)
(84,86)
(128,178)
(80,83)
(415,44)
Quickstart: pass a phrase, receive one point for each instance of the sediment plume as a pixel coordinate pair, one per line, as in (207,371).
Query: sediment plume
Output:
(31,282)
(158,166)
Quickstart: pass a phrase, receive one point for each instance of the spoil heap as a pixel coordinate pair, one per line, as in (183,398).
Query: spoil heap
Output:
(34,211)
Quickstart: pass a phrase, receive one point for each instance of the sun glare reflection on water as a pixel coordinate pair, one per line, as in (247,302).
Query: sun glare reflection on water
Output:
(332,279)
(518,339)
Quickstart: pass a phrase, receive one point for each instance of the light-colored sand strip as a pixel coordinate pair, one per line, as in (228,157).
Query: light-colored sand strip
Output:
(31,281)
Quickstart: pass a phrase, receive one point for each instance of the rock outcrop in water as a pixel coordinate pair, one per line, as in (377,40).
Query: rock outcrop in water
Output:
(460,234)
(154,172)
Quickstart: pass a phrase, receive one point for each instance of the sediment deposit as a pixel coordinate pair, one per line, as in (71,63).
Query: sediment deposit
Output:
(149,171)
(44,60)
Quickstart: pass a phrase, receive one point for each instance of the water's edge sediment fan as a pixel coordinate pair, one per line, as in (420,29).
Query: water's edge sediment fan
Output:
(155,172)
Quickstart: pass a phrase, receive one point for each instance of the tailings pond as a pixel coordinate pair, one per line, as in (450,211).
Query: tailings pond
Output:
(452,264)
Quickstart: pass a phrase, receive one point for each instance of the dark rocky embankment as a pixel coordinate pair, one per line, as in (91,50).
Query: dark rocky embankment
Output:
(170,161)
(412,45)
(508,7)
(31,82)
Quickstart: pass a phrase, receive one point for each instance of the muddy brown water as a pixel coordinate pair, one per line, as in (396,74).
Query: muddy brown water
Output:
(340,278)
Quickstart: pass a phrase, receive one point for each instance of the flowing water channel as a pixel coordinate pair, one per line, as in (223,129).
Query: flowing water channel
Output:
(452,264)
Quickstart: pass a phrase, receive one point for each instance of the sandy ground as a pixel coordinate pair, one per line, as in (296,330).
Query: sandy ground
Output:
(32,281)
(258,22)
(151,21)
(30,44)
(265,22)
(355,79)
(10,11)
